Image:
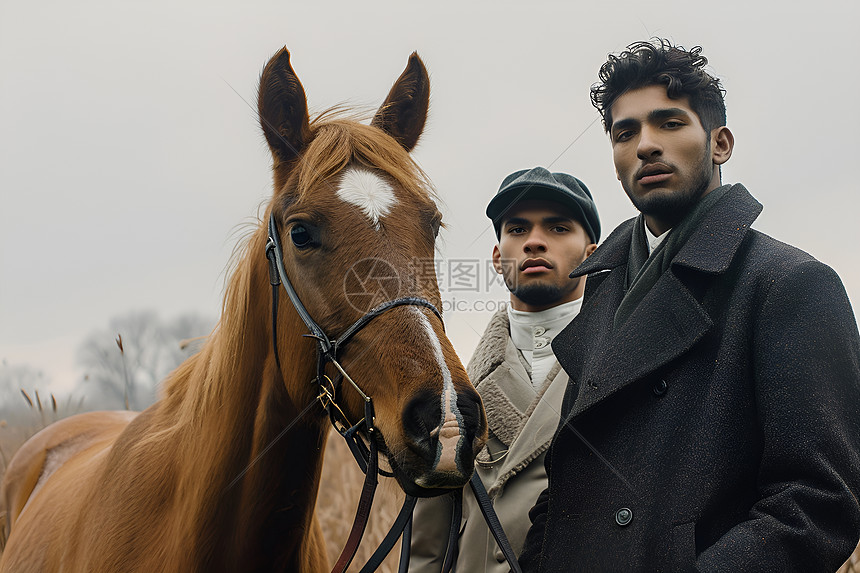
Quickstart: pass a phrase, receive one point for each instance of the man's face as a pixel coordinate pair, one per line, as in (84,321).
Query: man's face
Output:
(663,156)
(540,243)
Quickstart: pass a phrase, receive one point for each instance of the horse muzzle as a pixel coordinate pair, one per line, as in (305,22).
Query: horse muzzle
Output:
(442,439)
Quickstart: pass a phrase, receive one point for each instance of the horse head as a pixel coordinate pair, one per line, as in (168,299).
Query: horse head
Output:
(358,223)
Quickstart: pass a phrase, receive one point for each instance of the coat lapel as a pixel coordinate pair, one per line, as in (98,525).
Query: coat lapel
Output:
(506,393)
(540,427)
(664,326)
(666,323)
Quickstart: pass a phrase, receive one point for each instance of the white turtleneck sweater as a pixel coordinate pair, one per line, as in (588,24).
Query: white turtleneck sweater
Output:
(532,334)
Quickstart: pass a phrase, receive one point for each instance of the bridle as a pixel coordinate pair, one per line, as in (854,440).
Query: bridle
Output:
(367,456)
(327,351)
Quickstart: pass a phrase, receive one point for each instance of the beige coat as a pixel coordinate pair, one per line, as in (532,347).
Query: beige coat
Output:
(521,421)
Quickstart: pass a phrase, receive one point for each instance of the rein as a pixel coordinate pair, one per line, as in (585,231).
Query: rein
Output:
(367,456)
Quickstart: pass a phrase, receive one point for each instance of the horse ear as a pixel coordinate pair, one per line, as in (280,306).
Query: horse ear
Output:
(404,111)
(283,108)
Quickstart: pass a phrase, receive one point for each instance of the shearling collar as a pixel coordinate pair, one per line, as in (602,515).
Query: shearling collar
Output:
(491,349)
(512,404)
(709,249)
(496,361)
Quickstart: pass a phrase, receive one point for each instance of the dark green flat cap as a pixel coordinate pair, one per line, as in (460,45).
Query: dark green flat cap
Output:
(539,183)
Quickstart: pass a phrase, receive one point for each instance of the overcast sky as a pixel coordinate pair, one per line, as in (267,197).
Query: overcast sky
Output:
(129,156)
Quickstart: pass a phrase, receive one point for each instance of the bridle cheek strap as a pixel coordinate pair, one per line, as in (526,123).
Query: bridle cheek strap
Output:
(327,348)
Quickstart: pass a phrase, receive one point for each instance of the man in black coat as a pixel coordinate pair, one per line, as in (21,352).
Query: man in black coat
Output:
(712,418)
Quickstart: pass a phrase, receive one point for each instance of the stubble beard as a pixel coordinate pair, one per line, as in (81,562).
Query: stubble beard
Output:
(538,294)
(673,207)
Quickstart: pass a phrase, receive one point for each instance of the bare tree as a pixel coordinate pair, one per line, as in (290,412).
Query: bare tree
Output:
(124,363)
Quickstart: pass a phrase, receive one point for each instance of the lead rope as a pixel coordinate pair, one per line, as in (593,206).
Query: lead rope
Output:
(453,532)
(406,546)
(493,521)
(366,500)
(402,525)
(362,515)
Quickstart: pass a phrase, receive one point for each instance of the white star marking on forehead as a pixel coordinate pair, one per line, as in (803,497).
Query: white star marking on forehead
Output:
(367,191)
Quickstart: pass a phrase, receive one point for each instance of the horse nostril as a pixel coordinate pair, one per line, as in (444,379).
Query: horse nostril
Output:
(471,409)
(421,416)
(445,435)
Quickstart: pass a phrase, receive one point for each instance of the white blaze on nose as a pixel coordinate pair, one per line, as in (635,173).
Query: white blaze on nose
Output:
(367,191)
(449,431)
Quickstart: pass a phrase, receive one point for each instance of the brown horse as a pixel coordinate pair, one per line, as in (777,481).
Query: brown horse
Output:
(206,479)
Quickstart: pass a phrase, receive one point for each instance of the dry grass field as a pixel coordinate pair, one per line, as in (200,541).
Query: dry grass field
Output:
(340,488)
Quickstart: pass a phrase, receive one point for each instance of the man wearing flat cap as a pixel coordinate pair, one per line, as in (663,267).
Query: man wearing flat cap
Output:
(546,224)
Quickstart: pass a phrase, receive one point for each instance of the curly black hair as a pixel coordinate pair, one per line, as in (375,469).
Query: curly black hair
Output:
(658,62)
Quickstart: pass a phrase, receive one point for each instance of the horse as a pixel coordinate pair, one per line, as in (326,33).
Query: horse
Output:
(222,472)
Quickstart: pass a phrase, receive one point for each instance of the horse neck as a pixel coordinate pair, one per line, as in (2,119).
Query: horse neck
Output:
(253,465)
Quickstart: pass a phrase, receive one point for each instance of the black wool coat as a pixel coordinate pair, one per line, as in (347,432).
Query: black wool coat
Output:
(718,428)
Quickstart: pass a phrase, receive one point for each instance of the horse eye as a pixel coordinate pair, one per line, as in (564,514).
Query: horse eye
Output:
(300,236)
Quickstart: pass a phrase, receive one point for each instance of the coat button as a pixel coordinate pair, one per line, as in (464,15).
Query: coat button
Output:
(660,388)
(538,330)
(623,516)
(500,557)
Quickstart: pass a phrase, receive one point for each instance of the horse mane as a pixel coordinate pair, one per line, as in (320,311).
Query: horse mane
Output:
(211,365)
